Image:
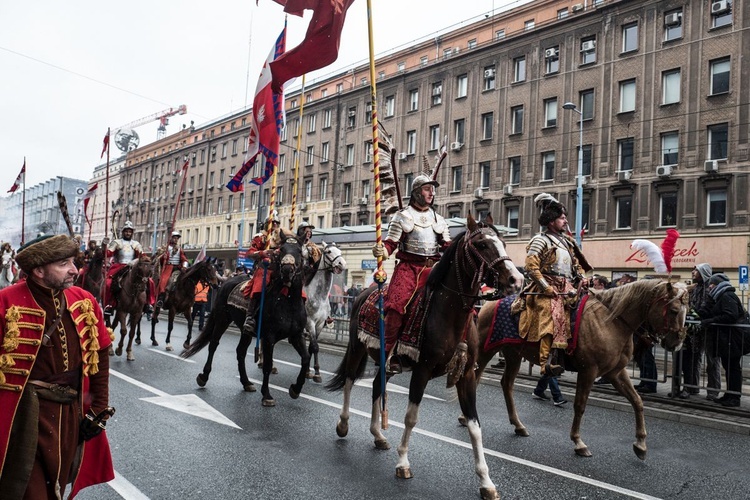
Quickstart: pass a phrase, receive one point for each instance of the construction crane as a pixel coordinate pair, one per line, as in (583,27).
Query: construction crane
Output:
(126,139)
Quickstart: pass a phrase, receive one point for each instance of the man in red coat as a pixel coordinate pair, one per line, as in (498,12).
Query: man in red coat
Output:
(173,259)
(54,369)
(260,250)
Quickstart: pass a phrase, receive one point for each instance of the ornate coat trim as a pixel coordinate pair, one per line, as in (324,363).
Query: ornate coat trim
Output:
(25,335)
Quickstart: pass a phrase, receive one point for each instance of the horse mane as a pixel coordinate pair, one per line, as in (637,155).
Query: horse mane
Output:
(440,270)
(620,298)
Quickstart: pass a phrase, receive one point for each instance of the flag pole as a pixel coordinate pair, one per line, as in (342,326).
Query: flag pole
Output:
(179,193)
(380,275)
(106,189)
(295,186)
(91,221)
(23,205)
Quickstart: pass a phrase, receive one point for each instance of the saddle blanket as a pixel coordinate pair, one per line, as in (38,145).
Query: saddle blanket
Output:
(237,296)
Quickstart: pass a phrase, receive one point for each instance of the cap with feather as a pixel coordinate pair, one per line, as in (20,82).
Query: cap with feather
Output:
(550,208)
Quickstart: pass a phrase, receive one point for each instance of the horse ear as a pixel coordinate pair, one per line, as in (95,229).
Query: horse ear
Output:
(471,223)
(488,220)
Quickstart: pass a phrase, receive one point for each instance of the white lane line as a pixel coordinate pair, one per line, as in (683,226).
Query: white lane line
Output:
(170,355)
(126,489)
(138,383)
(503,456)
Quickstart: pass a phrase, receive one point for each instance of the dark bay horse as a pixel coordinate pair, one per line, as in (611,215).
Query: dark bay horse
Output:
(474,257)
(283,317)
(182,298)
(130,301)
(93,275)
(652,308)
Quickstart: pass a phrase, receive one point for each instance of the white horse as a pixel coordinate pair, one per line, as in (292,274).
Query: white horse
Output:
(9,271)
(318,307)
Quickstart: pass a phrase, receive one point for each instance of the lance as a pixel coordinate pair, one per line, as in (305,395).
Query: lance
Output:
(296,160)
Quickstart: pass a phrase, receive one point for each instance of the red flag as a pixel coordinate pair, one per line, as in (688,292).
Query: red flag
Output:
(321,44)
(201,255)
(21,178)
(106,144)
(89,194)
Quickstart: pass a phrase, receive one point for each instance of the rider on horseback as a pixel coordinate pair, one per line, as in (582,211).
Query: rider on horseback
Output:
(418,233)
(123,251)
(172,260)
(310,250)
(555,265)
(260,250)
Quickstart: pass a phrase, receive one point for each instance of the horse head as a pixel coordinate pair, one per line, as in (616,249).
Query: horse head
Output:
(333,260)
(289,260)
(667,312)
(488,257)
(143,268)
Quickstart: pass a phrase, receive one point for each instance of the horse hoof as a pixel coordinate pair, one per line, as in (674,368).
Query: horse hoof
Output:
(404,472)
(489,494)
(523,432)
(639,452)
(583,452)
(342,429)
(294,394)
(111,351)
(309,375)
(169,348)
(274,371)
(201,380)
(118,351)
(138,341)
(186,344)
(318,379)
(268,403)
(130,356)
(382,444)
(154,342)
(249,387)
(462,421)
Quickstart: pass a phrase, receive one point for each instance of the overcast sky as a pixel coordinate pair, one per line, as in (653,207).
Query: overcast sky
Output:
(72,69)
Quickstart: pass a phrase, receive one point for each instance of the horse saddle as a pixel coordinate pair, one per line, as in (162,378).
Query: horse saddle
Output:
(172,281)
(237,296)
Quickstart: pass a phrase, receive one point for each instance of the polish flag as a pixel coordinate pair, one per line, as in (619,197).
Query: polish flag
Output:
(89,194)
(20,179)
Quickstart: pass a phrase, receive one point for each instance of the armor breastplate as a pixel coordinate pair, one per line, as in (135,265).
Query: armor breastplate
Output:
(174,256)
(563,265)
(421,231)
(126,253)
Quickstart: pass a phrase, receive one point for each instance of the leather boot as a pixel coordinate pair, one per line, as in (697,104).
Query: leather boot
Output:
(249,327)
(548,368)
(556,362)
(160,300)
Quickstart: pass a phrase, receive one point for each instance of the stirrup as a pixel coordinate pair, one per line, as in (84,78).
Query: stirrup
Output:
(553,370)
(393,367)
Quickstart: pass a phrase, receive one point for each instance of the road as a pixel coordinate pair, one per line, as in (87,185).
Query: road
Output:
(172,439)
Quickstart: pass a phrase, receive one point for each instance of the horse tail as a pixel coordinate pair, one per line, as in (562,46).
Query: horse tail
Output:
(345,370)
(203,339)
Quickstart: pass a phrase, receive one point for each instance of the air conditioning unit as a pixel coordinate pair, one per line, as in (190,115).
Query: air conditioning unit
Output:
(340,168)
(711,166)
(228,216)
(624,175)
(363,200)
(672,19)
(550,53)
(402,156)
(720,7)
(352,113)
(508,189)
(588,46)
(303,207)
(479,193)
(664,170)
(456,146)
(437,90)
(577,7)
(489,73)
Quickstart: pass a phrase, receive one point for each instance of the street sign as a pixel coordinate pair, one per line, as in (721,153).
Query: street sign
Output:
(743,278)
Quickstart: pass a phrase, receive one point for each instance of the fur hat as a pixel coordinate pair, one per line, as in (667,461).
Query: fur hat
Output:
(550,208)
(45,250)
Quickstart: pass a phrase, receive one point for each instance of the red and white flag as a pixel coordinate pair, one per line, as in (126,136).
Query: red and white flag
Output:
(321,44)
(20,179)
(202,254)
(105,147)
(89,194)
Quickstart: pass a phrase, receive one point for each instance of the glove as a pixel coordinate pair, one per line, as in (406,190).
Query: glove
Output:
(549,292)
(379,250)
(92,425)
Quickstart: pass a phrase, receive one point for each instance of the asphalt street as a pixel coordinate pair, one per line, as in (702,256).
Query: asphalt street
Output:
(172,439)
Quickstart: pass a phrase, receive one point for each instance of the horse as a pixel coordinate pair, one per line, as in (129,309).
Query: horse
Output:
(181,299)
(130,301)
(283,317)
(9,270)
(318,306)
(449,342)
(93,275)
(652,309)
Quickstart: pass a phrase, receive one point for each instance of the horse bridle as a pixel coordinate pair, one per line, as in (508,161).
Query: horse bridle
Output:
(651,333)
(329,263)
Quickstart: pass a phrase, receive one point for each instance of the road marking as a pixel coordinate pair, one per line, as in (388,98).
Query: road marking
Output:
(126,489)
(170,355)
(185,403)
(503,456)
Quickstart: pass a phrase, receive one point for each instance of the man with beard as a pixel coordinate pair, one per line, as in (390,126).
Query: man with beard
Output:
(123,251)
(173,259)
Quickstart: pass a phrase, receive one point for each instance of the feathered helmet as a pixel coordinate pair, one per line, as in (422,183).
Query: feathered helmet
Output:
(550,208)
(127,225)
(272,217)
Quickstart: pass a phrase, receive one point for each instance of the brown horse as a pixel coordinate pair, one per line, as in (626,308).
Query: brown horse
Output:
(130,301)
(449,340)
(93,275)
(181,299)
(650,308)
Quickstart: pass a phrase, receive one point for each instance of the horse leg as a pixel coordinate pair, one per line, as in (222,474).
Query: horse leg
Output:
(131,335)
(381,443)
(313,350)
(419,380)
(267,346)
(120,322)
(189,318)
(154,320)
(138,333)
(298,342)
(583,389)
(342,426)
(625,387)
(467,397)
(512,366)
(242,348)
(170,325)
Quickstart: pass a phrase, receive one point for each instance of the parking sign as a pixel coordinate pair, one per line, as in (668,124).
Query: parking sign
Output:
(743,278)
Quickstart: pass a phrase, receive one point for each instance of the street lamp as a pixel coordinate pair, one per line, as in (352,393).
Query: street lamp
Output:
(579,182)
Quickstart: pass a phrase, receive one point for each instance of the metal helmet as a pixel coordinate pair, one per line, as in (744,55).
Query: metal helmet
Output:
(272,217)
(176,233)
(127,225)
(303,226)
(416,187)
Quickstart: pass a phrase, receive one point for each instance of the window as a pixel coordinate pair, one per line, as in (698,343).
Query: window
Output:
(411,142)
(413,100)
(720,76)
(234,148)
(308,190)
(587,149)
(562,13)
(672,25)
(282,162)
(471,43)
(625,154)
(624,207)
(423,61)
(670,87)
(550,112)
(311,123)
(588,50)
(351,117)
(519,69)
(528,25)
(295,127)
(349,155)
(514,165)
(437,93)
(718,138)
(487,120)
(512,217)
(408,183)
(220,206)
(548,166)
(310,157)
(721,15)
(489,77)
(339,88)
(323,187)
(627,96)
(324,152)
(668,210)
(716,205)
(327,118)
(499,34)
(324,93)
(462,84)
(587,104)
(368,151)
(434,137)
(390,106)
(401,67)
(459,126)
(552,60)
(456,178)
(516,126)
(282,136)
(347,193)
(280,195)
(630,37)
(368,112)
(484,175)
(366,188)
(669,148)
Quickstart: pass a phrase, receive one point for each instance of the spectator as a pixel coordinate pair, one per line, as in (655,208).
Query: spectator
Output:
(554,387)
(599,282)
(352,293)
(643,353)
(201,301)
